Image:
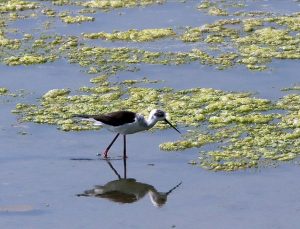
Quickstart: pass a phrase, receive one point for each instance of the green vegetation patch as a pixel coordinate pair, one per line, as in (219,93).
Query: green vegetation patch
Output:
(133,35)
(108,4)
(17,5)
(252,42)
(9,43)
(215,11)
(191,35)
(3,90)
(114,4)
(28,59)
(265,44)
(218,7)
(245,132)
(111,60)
(76,19)
(295,88)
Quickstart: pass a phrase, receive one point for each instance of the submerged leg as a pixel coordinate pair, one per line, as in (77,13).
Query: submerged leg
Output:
(125,168)
(113,169)
(108,147)
(124,150)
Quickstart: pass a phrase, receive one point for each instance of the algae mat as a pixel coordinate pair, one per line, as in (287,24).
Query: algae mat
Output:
(245,131)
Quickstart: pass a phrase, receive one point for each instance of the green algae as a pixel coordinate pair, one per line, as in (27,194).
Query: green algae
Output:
(214,39)
(115,4)
(246,132)
(205,5)
(61,2)
(251,42)
(191,35)
(113,60)
(8,94)
(215,11)
(295,88)
(259,46)
(17,5)
(249,132)
(219,7)
(108,4)
(265,44)
(54,93)
(292,21)
(251,24)
(49,12)
(142,81)
(28,59)
(3,90)
(133,35)
(10,43)
(76,19)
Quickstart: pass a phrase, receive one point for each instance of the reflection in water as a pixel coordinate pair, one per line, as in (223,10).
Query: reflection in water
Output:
(128,190)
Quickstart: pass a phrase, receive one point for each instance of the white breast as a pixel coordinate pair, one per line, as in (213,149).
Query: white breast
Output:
(129,128)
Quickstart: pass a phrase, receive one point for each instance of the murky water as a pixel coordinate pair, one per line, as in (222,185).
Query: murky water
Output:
(41,172)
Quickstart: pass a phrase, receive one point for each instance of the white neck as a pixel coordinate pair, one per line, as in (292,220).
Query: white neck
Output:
(151,121)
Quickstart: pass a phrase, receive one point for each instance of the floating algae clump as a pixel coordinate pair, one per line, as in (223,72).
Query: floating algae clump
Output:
(295,88)
(28,59)
(49,12)
(218,8)
(16,5)
(251,143)
(9,43)
(224,43)
(251,40)
(191,35)
(76,19)
(133,35)
(52,94)
(217,11)
(244,132)
(291,21)
(113,60)
(61,2)
(265,44)
(205,5)
(255,48)
(3,90)
(252,24)
(113,4)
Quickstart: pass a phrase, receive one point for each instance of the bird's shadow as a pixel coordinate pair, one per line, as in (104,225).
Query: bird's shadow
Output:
(127,190)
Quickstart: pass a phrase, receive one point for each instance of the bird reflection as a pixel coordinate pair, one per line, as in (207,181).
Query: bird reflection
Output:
(128,190)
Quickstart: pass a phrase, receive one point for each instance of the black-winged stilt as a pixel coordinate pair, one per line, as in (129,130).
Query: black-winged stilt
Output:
(126,122)
(128,190)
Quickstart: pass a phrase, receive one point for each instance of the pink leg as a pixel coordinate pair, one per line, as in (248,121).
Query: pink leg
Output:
(107,149)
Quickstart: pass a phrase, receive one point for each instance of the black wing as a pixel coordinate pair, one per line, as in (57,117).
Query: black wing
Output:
(117,118)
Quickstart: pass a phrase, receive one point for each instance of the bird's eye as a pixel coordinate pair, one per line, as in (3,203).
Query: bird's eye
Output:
(160,114)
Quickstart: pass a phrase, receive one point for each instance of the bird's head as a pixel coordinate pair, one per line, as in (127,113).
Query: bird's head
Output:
(160,115)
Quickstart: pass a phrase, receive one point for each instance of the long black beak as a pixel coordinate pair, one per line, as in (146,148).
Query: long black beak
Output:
(172,125)
(172,189)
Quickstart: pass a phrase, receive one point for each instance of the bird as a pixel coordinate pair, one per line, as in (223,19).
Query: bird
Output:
(128,190)
(126,122)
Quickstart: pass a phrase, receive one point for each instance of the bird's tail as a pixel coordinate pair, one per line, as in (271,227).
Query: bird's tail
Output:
(90,118)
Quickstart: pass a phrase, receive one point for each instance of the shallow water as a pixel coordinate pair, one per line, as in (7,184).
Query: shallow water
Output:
(39,180)
(36,170)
